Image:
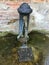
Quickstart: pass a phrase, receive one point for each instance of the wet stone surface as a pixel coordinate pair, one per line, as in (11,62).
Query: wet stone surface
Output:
(25,54)
(9,46)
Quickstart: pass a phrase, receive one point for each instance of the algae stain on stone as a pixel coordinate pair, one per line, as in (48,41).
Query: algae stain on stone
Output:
(9,46)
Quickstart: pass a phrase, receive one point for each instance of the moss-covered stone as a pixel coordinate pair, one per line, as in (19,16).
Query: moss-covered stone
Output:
(9,45)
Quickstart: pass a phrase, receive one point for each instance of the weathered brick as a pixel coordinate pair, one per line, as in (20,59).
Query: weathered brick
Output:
(38,1)
(16,4)
(47,0)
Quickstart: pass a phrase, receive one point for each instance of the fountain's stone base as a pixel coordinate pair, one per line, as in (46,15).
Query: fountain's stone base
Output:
(29,56)
(25,54)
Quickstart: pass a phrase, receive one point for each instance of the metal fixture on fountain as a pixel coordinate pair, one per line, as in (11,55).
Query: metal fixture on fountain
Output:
(24,51)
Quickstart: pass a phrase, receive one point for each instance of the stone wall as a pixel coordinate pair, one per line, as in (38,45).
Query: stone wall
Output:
(26,0)
(36,22)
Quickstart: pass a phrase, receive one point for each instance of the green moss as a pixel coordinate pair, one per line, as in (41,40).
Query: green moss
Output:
(8,42)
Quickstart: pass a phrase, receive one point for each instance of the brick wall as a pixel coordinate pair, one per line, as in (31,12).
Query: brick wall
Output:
(38,1)
(26,0)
